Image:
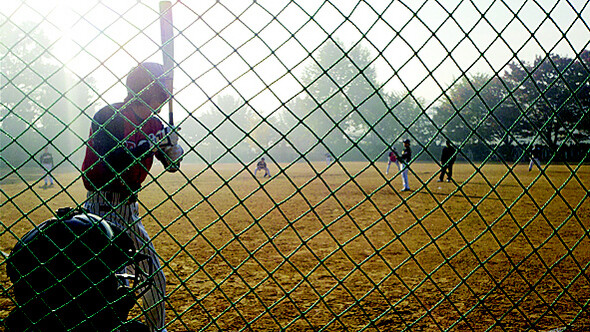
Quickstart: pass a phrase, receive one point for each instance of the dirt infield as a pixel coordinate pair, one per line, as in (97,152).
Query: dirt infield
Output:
(500,249)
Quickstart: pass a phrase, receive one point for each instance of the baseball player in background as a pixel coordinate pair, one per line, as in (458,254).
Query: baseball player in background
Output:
(535,157)
(328,158)
(392,159)
(46,160)
(124,139)
(261,166)
(447,160)
(405,163)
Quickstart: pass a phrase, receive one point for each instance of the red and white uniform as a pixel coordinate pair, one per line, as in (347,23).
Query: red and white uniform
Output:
(392,159)
(124,167)
(119,156)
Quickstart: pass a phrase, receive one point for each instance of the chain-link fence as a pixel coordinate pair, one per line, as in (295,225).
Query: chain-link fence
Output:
(346,165)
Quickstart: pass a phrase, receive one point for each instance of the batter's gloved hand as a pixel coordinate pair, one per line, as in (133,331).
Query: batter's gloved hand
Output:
(172,157)
(170,137)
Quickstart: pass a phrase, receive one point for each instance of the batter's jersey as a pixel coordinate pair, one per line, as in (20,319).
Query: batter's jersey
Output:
(118,153)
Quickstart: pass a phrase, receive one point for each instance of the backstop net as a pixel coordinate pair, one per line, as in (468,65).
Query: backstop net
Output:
(425,162)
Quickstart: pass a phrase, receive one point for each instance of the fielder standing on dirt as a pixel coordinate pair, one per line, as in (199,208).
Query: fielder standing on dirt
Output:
(447,160)
(405,163)
(124,138)
(46,160)
(536,153)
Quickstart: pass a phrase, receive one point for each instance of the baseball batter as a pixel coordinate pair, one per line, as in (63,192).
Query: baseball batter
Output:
(124,139)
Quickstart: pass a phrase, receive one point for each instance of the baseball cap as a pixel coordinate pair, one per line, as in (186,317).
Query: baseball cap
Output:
(407,141)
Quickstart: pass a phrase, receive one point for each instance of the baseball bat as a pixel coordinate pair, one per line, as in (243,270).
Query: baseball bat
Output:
(166,30)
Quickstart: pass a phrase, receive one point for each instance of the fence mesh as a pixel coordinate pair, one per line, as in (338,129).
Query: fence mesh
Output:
(325,238)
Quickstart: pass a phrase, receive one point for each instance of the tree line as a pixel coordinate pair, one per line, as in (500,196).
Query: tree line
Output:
(42,103)
(344,111)
(341,110)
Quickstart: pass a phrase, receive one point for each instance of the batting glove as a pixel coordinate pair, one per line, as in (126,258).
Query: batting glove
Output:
(170,137)
(173,157)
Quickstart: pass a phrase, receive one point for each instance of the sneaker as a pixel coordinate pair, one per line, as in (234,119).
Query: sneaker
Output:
(406,189)
(448,180)
(439,180)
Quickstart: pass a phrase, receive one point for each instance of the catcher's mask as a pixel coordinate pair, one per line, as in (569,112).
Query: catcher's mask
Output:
(66,276)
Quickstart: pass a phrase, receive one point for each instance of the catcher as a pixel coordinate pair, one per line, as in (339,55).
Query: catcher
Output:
(64,275)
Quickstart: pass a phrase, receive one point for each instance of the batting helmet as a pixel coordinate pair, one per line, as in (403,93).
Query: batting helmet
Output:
(148,76)
(66,276)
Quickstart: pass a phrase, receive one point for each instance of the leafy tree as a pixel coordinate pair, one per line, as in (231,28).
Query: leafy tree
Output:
(232,130)
(326,105)
(342,99)
(296,136)
(343,105)
(476,113)
(40,100)
(552,94)
(547,99)
(402,118)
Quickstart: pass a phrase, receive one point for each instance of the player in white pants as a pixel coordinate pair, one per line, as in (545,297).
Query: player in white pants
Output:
(125,214)
(124,139)
(405,162)
(535,157)
(46,160)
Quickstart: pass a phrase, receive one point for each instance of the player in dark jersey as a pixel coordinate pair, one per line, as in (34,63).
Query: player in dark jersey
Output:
(447,160)
(261,166)
(405,159)
(46,160)
(124,139)
(536,153)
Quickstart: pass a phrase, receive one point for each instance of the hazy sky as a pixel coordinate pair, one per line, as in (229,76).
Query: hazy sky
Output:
(257,49)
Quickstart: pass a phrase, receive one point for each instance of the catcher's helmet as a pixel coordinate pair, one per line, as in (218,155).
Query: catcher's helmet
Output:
(65,276)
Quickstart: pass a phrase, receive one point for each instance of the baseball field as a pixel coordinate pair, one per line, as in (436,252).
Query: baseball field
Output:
(341,248)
